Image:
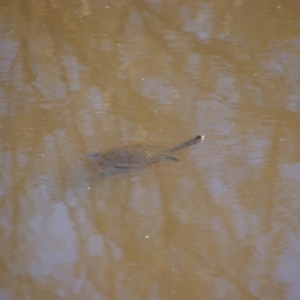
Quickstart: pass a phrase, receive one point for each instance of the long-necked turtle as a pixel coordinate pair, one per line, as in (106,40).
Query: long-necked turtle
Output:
(140,154)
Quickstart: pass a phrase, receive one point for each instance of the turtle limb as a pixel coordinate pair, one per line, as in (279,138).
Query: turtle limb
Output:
(172,158)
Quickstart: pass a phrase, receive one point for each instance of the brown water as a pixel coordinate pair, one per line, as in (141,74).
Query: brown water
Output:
(84,76)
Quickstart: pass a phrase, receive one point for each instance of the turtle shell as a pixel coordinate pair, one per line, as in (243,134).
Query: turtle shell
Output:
(132,155)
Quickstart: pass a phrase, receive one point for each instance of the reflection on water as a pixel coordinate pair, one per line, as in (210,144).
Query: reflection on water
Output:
(77,78)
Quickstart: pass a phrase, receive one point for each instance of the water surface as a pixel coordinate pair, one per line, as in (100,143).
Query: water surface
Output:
(85,76)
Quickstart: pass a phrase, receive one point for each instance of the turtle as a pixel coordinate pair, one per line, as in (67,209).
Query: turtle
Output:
(140,154)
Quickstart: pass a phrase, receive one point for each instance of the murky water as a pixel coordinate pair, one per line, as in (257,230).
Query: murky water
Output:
(85,76)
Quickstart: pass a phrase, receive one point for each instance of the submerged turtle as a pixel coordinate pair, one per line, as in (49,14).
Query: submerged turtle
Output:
(140,154)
